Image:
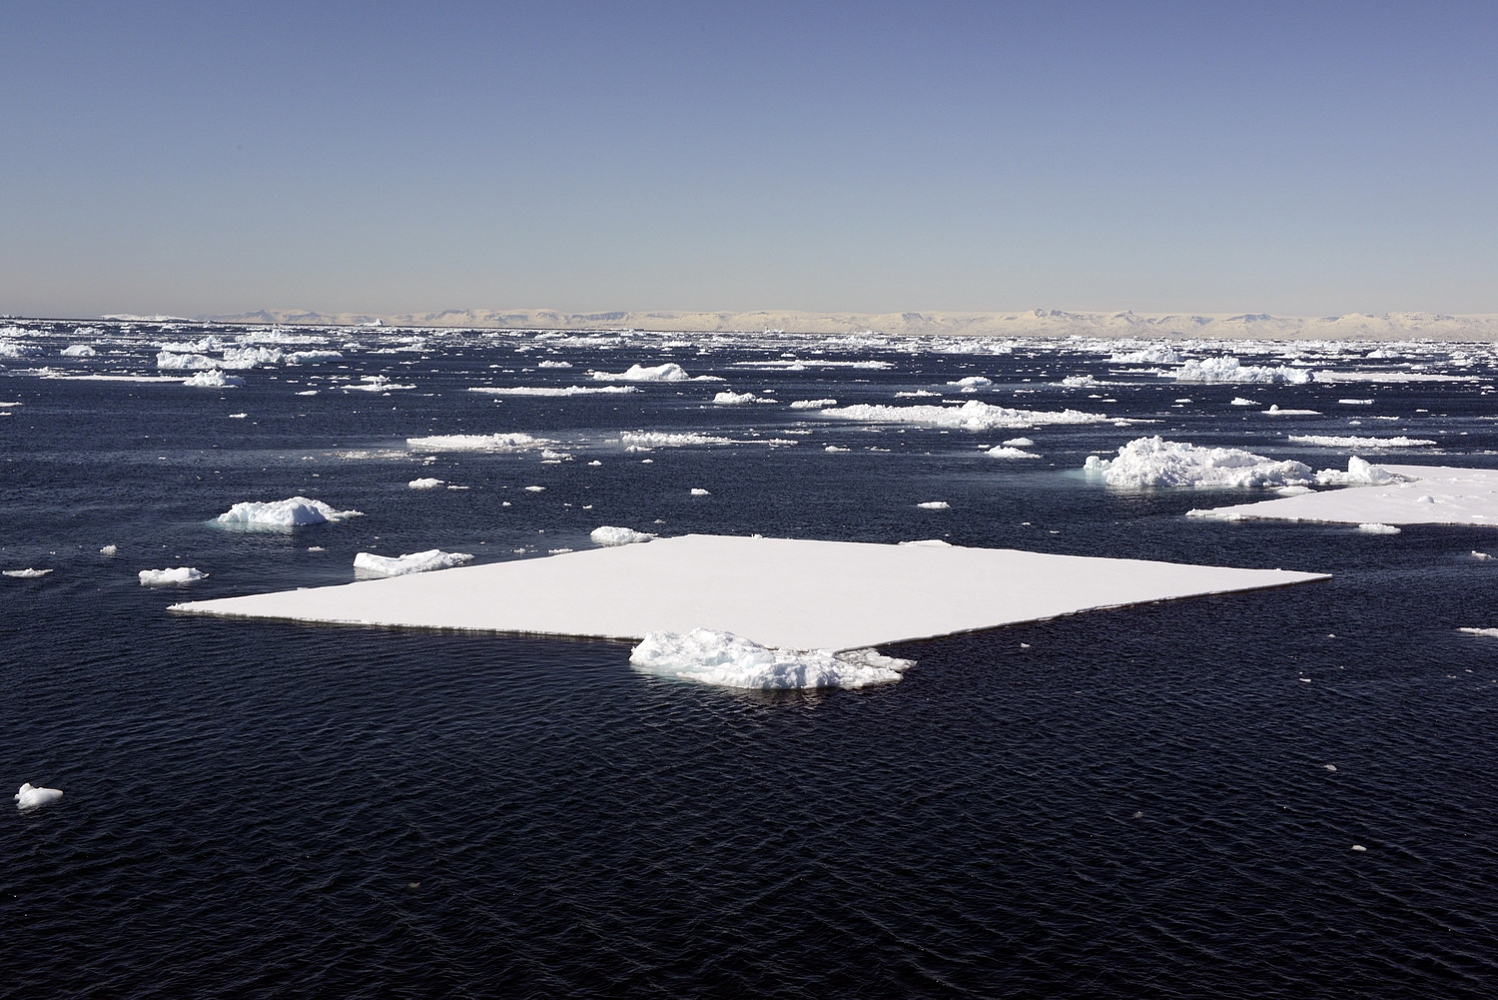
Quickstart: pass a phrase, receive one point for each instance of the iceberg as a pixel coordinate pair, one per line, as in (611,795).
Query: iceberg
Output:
(31,797)
(281,515)
(610,535)
(1153,461)
(166,577)
(705,656)
(415,562)
(972,415)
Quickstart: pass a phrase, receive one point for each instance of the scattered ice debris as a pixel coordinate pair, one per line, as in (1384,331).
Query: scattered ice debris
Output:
(610,535)
(313,357)
(477,442)
(78,351)
(917,394)
(835,448)
(1360,472)
(668,372)
(213,378)
(415,562)
(935,505)
(426,483)
(554,364)
(25,574)
(1374,528)
(307,392)
(1244,401)
(174,361)
(281,515)
(554,390)
(1156,355)
(166,577)
(1491,633)
(812,404)
(1356,402)
(696,492)
(1081,382)
(1331,441)
(728,398)
(109,550)
(31,797)
(1002,451)
(1153,461)
(1230,369)
(1275,411)
(722,658)
(645,440)
(376,383)
(972,415)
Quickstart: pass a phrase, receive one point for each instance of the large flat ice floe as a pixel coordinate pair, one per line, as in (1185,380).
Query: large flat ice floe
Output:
(1387,494)
(803,595)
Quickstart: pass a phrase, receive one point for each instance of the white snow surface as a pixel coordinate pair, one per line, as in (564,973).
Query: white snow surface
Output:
(722,658)
(778,592)
(1423,494)
(415,562)
(165,577)
(610,535)
(281,515)
(972,415)
(1360,472)
(1153,461)
(30,797)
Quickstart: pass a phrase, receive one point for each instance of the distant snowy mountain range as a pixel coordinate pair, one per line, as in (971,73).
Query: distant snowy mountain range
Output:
(1033,323)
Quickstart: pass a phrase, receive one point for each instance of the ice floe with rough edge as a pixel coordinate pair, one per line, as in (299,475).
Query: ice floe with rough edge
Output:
(478,442)
(281,515)
(609,534)
(1392,495)
(1153,461)
(31,797)
(169,577)
(972,415)
(414,562)
(705,656)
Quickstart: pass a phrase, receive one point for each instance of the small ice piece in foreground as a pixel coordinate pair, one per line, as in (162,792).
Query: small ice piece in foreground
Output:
(696,492)
(729,398)
(728,660)
(25,574)
(1373,528)
(213,379)
(610,535)
(167,577)
(109,550)
(426,483)
(415,562)
(30,797)
(1153,461)
(935,505)
(281,515)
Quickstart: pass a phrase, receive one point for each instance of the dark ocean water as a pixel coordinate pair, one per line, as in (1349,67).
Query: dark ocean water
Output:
(1125,803)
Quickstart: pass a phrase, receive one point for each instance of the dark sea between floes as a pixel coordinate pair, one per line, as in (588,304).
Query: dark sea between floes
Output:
(1125,803)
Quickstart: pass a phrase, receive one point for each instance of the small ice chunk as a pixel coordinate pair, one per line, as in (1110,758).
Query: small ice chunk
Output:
(1372,528)
(1153,461)
(109,550)
(696,492)
(722,658)
(1358,847)
(1019,442)
(415,562)
(1491,633)
(728,398)
(1360,472)
(167,577)
(668,372)
(1244,401)
(1230,369)
(78,351)
(282,515)
(477,442)
(25,574)
(1335,441)
(610,535)
(1002,451)
(535,489)
(213,379)
(425,483)
(972,382)
(1330,767)
(812,404)
(31,797)
(1480,555)
(935,505)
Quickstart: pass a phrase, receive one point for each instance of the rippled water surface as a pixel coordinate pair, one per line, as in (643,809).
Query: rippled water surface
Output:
(1133,802)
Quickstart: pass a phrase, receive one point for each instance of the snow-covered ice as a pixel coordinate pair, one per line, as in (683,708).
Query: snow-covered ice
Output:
(1374,528)
(281,515)
(972,415)
(728,398)
(668,372)
(415,562)
(425,483)
(1333,441)
(478,442)
(25,574)
(610,535)
(722,658)
(31,797)
(1153,461)
(812,404)
(167,577)
(554,390)
(1421,494)
(699,492)
(78,351)
(1229,369)
(778,592)
(213,378)
(935,505)
(1004,451)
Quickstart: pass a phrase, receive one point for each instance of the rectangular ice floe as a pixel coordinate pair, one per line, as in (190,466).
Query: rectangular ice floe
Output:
(1419,494)
(778,592)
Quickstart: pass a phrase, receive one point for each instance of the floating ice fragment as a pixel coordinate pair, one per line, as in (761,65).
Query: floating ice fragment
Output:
(554,390)
(1480,555)
(166,577)
(281,515)
(722,658)
(415,562)
(78,351)
(1019,442)
(1330,767)
(1001,451)
(1491,633)
(535,489)
(812,404)
(728,398)
(1358,847)
(312,357)
(1360,472)
(1243,401)
(238,416)
(610,535)
(25,574)
(477,442)
(1330,441)
(1230,369)
(972,415)
(972,382)
(700,492)
(31,797)
(307,392)
(1374,528)
(1275,411)
(1356,402)
(645,440)
(425,483)
(1153,461)
(668,372)
(109,550)
(935,505)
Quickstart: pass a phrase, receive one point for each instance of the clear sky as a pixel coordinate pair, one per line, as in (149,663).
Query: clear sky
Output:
(1296,158)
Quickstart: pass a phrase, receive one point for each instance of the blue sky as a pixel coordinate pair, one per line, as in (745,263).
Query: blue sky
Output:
(1297,158)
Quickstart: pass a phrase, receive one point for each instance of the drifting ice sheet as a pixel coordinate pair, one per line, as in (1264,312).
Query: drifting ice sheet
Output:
(1427,494)
(775,591)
